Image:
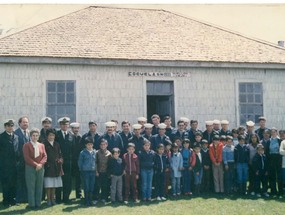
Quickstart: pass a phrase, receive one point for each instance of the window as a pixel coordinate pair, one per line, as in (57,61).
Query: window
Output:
(61,100)
(250,102)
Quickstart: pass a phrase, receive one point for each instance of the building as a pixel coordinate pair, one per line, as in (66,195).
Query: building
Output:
(114,63)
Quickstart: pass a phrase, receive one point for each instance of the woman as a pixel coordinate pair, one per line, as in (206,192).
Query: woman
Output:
(35,158)
(53,166)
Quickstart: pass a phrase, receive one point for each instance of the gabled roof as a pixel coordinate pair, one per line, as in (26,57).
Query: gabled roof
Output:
(137,34)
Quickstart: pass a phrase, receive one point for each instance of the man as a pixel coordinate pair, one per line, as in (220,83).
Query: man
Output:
(155,121)
(77,147)
(116,125)
(249,132)
(186,121)
(225,128)
(148,131)
(125,135)
(216,126)
(262,127)
(159,138)
(113,138)
(179,132)
(23,134)
(137,138)
(208,133)
(142,120)
(193,130)
(62,137)
(9,158)
(46,124)
(169,128)
(93,134)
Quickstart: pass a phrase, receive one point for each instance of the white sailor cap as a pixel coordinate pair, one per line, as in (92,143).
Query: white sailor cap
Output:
(250,123)
(216,121)
(142,119)
(46,119)
(209,122)
(225,122)
(161,126)
(110,124)
(137,126)
(10,122)
(148,125)
(63,120)
(75,125)
(185,119)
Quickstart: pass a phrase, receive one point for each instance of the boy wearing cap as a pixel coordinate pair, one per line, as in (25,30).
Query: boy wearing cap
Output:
(260,169)
(206,162)
(8,162)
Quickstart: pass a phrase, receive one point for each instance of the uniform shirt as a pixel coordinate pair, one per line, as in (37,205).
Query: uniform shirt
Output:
(96,137)
(114,141)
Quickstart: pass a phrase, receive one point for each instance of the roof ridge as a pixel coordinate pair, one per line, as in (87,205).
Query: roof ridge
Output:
(226,30)
(128,8)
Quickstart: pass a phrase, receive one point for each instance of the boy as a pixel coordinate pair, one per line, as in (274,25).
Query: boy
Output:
(132,170)
(178,141)
(228,159)
(235,136)
(161,163)
(167,152)
(241,155)
(102,159)
(116,171)
(87,167)
(197,166)
(260,168)
(176,164)
(206,162)
(198,138)
(187,155)
(146,159)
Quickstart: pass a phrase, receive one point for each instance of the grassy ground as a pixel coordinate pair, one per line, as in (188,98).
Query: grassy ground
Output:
(210,204)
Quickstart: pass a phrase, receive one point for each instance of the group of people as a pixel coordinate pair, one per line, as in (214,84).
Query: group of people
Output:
(127,164)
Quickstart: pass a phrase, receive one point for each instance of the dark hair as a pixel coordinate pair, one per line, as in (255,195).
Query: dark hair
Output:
(103,140)
(166,118)
(180,121)
(21,118)
(216,137)
(114,120)
(50,131)
(177,138)
(185,141)
(155,116)
(234,131)
(241,137)
(114,150)
(160,146)
(254,135)
(167,142)
(88,140)
(228,137)
(125,122)
(198,133)
(193,121)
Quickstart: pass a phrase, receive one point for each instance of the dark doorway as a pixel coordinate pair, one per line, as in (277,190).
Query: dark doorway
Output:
(160,99)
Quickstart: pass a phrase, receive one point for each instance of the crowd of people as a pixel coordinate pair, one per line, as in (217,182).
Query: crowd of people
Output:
(140,162)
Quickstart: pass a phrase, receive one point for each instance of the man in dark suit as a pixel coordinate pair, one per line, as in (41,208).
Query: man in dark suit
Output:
(159,138)
(23,134)
(46,123)
(62,137)
(9,159)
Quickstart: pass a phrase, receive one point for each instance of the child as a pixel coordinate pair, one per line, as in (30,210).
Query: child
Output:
(178,141)
(116,171)
(176,164)
(132,170)
(241,155)
(187,155)
(228,159)
(197,166)
(198,138)
(87,167)
(146,159)
(161,163)
(216,155)
(260,168)
(102,159)
(206,162)
(167,152)
(254,140)
(223,140)
(235,136)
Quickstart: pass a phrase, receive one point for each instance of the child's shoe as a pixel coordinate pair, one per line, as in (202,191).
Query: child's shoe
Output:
(163,199)
(158,198)
(258,195)
(266,195)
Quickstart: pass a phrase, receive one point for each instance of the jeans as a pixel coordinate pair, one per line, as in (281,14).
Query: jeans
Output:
(175,185)
(104,185)
(229,177)
(146,176)
(242,172)
(198,178)
(261,178)
(160,184)
(186,178)
(88,178)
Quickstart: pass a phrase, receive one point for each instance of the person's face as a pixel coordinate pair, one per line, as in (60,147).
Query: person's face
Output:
(92,128)
(35,137)
(51,137)
(24,124)
(262,123)
(186,145)
(137,132)
(241,141)
(266,135)
(9,128)
(155,121)
(146,146)
(46,125)
(253,139)
(167,122)
(216,126)
(175,149)
(103,145)
(197,150)
(141,122)
(116,155)
(260,151)
(250,129)
(241,132)
(126,128)
(160,151)
(215,142)
(75,130)
(205,146)
(194,125)
(229,142)
(235,135)
(168,147)
(181,126)
(198,138)
(209,127)
(148,131)
(273,133)
(131,150)
(161,131)
(64,126)
(225,127)
(282,135)
(110,129)
(89,146)
(178,142)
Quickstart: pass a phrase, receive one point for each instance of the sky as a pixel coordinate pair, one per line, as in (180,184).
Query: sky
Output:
(260,21)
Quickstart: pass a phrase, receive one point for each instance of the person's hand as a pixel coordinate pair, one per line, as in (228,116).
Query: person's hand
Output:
(197,173)
(190,168)
(97,173)
(227,167)
(38,167)
(217,164)
(137,177)
(266,173)
(60,160)
(167,170)
(257,173)
(206,167)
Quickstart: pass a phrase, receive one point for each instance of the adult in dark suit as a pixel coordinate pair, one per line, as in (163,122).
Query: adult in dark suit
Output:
(209,132)
(125,135)
(62,138)
(180,131)
(24,137)
(9,158)
(46,123)
(159,138)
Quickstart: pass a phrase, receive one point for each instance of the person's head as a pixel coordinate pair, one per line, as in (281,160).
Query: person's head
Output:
(235,133)
(262,121)
(175,147)
(116,153)
(167,121)
(197,148)
(110,127)
(161,129)
(178,141)
(185,120)
(205,144)
(146,145)
(34,133)
(137,129)
(194,124)
(155,120)
(274,132)
(125,126)
(181,125)
(46,123)
(116,124)
(250,126)
(198,136)
(266,134)
(160,149)
(64,123)
(209,126)
(216,124)
(229,140)
(225,125)
(23,122)
(92,126)
(254,139)
(241,139)
(260,149)
(282,134)
(142,120)
(241,130)
(103,144)
(168,145)
(216,140)
(9,125)
(50,134)
(75,126)
(223,139)
(148,128)
(186,143)
(89,143)
(131,148)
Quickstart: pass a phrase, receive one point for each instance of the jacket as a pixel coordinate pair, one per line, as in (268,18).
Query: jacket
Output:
(102,159)
(176,163)
(241,154)
(146,160)
(188,157)
(87,160)
(228,154)
(257,163)
(206,161)
(161,163)
(116,166)
(282,152)
(216,153)
(53,166)
(197,164)
(131,163)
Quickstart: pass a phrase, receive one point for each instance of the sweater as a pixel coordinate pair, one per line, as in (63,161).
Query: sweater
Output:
(102,158)
(116,166)
(131,163)
(29,153)
(146,160)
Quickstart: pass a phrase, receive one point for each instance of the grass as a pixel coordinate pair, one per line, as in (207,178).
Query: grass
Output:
(210,204)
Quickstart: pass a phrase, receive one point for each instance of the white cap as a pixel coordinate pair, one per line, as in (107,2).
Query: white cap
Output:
(142,119)
(110,124)
(209,122)
(148,125)
(75,125)
(161,126)
(185,119)
(216,121)
(224,122)
(137,126)
(46,119)
(250,123)
(64,119)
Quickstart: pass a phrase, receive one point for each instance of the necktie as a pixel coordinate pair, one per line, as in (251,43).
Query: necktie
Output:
(262,162)
(64,135)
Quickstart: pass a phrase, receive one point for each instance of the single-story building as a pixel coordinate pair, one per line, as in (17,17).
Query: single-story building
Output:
(107,63)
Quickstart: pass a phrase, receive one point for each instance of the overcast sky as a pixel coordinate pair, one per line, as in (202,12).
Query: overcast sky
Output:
(265,22)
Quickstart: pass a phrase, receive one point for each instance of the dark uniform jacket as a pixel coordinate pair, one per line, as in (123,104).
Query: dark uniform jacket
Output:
(157,139)
(138,141)
(53,166)
(96,139)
